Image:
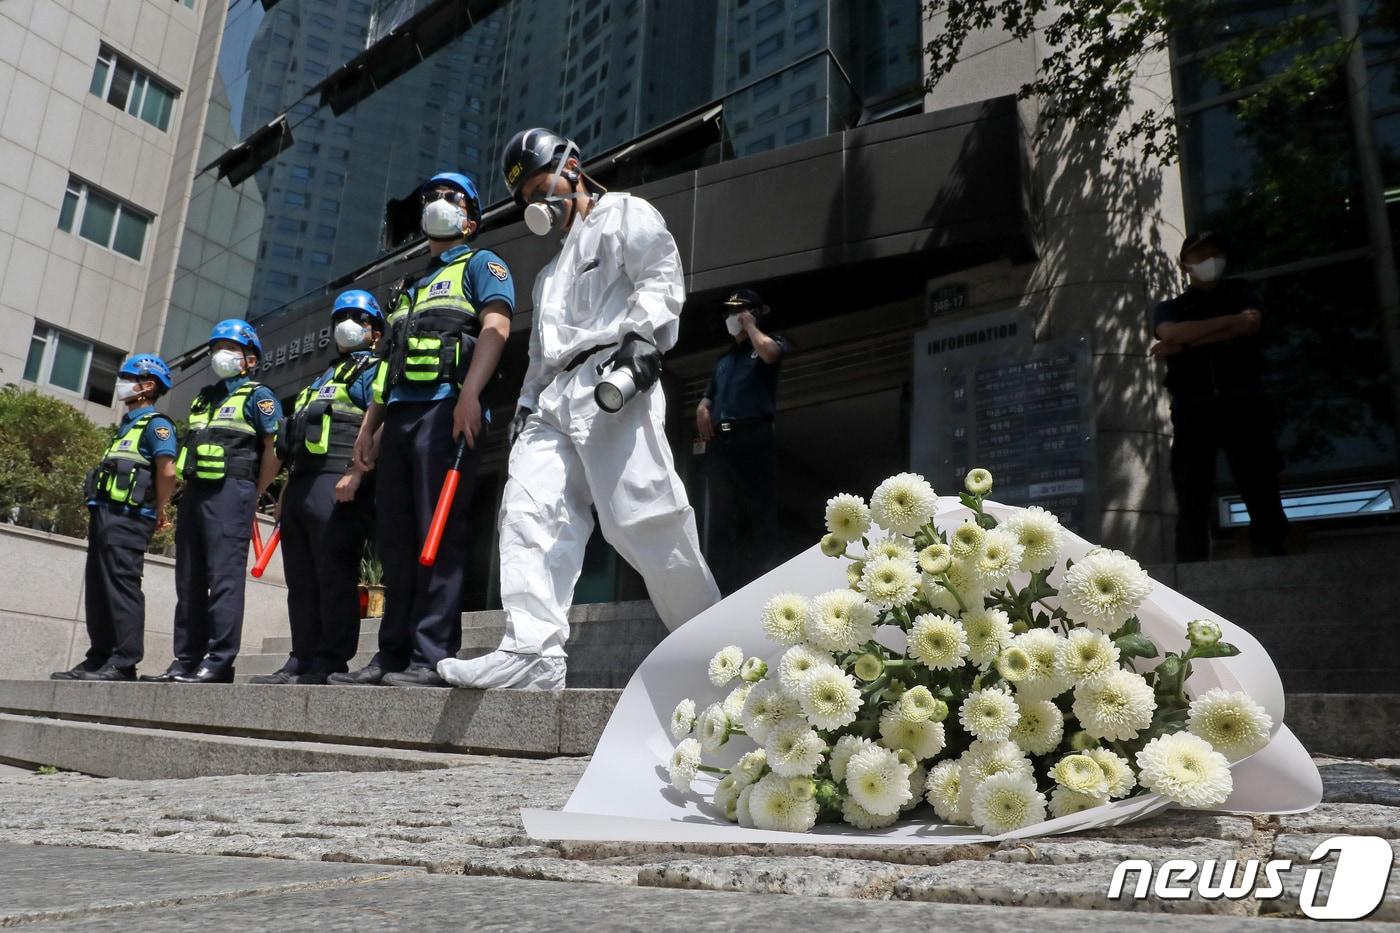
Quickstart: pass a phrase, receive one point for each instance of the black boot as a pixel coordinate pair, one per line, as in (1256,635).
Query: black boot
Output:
(206,675)
(110,673)
(368,676)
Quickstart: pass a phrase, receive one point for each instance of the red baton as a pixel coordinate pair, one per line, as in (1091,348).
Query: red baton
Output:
(257,541)
(266,556)
(444,506)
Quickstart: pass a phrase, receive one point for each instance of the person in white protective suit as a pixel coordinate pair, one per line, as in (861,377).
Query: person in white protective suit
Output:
(589,429)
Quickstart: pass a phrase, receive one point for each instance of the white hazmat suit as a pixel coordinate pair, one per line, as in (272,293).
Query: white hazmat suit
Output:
(617,272)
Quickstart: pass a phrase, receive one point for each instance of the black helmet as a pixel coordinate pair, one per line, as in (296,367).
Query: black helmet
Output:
(529,151)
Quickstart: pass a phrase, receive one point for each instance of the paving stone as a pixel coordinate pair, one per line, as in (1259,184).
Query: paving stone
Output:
(1052,851)
(643,852)
(1348,781)
(1177,824)
(1360,819)
(1298,848)
(809,875)
(1076,885)
(540,864)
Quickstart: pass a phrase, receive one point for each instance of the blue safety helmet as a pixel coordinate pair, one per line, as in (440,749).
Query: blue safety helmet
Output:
(240,332)
(459,181)
(357,299)
(147,366)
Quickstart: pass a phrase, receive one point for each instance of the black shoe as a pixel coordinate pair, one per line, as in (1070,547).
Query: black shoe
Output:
(283,676)
(87,667)
(311,679)
(107,672)
(171,672)
(415,677)
(206,675)
(368,676)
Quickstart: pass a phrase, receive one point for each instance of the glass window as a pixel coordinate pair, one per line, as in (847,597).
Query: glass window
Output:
(35,360)
(99,215)
(69,209)
(768,12)
(128,88)
(320,258)
(100,72)
(157,107)
(121,85)
(70,362)
(769,47)
(131,234)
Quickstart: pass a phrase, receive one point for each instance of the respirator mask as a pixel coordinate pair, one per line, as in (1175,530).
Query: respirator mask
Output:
(546,212)
(226,363)
(351,334)
(1208,270)
(443,220)
(126,391)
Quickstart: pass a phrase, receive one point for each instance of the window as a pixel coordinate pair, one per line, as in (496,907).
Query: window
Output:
(103,219)
(768,13)
(330,206)
(802,129)
(317,44)
(68,362)
(325,232)
(320,259)
(188,3)
(127,87)
(295,199)
(808,24)
(769,47)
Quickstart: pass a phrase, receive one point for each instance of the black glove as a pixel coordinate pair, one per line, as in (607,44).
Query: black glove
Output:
(639,355)
(517,424)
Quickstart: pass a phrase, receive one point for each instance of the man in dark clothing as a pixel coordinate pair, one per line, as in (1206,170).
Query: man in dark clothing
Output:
(735,418)
(1208,336)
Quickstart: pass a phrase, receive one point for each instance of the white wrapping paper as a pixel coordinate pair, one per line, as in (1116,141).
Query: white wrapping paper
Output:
(625,794)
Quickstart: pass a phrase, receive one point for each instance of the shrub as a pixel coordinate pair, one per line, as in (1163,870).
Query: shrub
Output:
(46,449)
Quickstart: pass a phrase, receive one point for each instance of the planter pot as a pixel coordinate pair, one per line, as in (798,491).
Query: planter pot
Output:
(374,608)
(364,600)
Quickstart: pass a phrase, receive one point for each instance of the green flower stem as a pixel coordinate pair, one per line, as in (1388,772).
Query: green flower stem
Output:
(943,578)
(713,770)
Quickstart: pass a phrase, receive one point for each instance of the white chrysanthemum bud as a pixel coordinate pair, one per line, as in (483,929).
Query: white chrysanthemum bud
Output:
(916,704)
(939,597)
(685,761)
(967,540)
(833,546)
(1202,633)
(869,667)
(724,666)
(1014,665)
(683,719)
(750,767)
(754,670)
(847,517)
(903,504)
(936,558)
(714,727)
(726,797)
(1183,767)
(734,703)
(1232,723)
(895,546)
(978,481)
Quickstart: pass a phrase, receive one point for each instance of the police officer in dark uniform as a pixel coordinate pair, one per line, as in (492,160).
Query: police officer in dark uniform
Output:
(735,418)
(126,496)
(1208,336)
(445,335)
(326,509)
(227,462)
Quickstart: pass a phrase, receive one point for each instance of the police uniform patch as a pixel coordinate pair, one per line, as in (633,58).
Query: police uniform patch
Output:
(227,411)
(327,391)
(124,445)
(498,270)
(267,406)
(163,433)
(440,288)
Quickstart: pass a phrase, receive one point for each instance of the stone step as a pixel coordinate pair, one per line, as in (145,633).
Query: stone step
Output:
(369,641)
(140,753)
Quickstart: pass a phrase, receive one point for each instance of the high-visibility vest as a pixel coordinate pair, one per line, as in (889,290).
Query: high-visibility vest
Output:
(320,435)
(221,440)
(432,331)
(125,475)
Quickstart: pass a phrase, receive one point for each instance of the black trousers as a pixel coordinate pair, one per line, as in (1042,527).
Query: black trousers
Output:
(1243,429)
(116,607)
(322,542)
(212,529)
(422,621)
(741,471)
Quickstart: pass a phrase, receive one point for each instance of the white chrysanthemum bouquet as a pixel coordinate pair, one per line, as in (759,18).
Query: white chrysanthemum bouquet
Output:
(1007,704)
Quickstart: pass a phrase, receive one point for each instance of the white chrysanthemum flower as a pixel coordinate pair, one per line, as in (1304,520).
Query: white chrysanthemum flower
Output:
(1086,653)
(765,708)
(683,719)
(936,558)
(841,752)
(938,642)
(854,570)
(793,749)
(685,761)
(726,797)
(922,739)
(978,481)
(988,632)
(741,807)
(1040,535)
(966,541)
(796,663)
(724,666)
(1044,679)
(833,546)
(1006,802)
(989,714)
(1104,589)
(903,504)
(964,580)
(878,780)
(1081,774)
(941,790)
(917,778)
(1183,767)
(754,670)
(714,727)
(999,558)
(896,546)
(983,759)
(916,704)
(734,703)
(847,517)
(750,767)
(1116,769)
(840,620)
(1064,801)
(830,698)
(888,582)
(1233,724)
(1040,728)
(861,818)
(774,805)
(1115,706)
(938,596)
(783,618)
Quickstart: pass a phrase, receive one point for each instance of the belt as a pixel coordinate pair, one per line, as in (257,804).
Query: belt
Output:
(579,359)
(741,424)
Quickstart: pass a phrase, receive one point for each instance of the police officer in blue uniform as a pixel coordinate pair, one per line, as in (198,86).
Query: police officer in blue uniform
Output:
(227,461)
(735,419)
(326,509)
(445,334)
(126,496)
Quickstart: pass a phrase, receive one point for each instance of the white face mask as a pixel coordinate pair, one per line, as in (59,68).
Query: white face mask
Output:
(226,363)
(351,335)
(443,220)
(732,324)
(126,391)
(1208,270)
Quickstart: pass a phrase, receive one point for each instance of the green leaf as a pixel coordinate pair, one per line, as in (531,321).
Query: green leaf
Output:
(1136,645)
(1218,650)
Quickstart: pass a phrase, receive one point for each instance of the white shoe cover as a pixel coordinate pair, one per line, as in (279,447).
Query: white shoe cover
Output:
(504,670)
